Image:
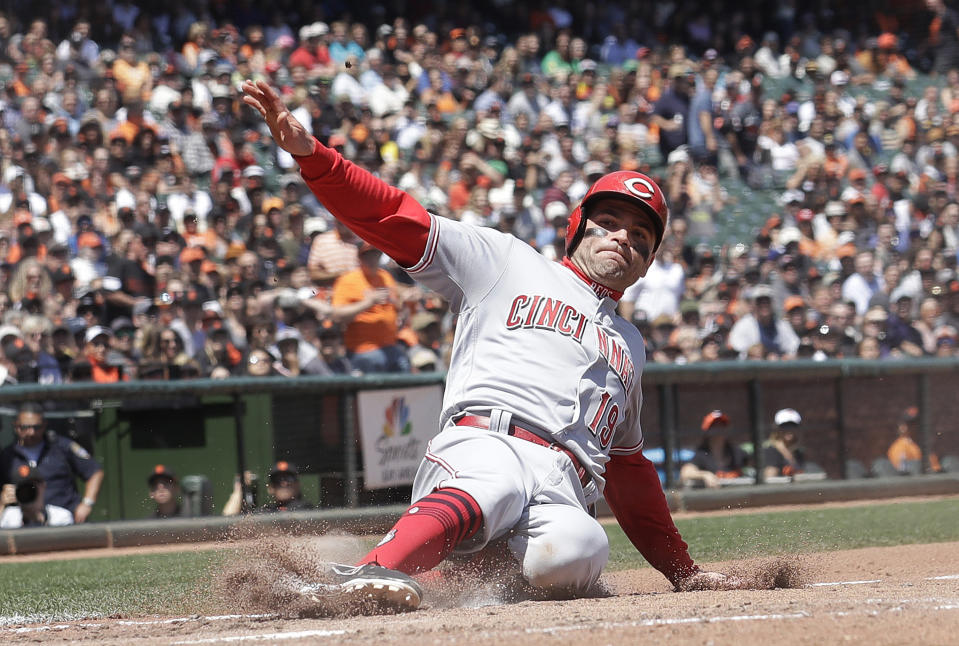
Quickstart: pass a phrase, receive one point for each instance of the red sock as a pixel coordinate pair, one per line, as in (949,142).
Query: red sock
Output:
(428,531)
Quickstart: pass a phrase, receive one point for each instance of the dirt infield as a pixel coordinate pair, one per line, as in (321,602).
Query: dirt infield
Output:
(892,595)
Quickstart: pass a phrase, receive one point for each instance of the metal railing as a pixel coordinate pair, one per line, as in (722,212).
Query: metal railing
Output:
(850,409)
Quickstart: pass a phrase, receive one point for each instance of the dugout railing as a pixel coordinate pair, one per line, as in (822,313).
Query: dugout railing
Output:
(216,429)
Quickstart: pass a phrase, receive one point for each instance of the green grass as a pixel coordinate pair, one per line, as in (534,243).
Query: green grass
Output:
(122,585)
(180,583)
(736,536)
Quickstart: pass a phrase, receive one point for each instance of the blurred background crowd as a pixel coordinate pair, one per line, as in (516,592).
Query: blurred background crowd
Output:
(151,229)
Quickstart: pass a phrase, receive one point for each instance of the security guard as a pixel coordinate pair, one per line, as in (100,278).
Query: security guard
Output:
(59,460)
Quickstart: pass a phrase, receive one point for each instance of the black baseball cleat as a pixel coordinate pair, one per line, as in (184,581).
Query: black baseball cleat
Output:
(366,589)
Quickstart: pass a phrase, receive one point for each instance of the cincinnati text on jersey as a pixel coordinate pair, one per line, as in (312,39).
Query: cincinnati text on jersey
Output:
(617,357)
(545,313)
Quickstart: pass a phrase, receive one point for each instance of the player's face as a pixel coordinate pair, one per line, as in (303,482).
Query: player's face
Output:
(162,491)
(617,246)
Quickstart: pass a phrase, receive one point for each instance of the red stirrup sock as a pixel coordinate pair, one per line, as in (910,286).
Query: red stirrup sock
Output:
(427,532)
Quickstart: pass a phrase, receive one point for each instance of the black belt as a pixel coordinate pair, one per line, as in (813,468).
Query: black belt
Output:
(525,434)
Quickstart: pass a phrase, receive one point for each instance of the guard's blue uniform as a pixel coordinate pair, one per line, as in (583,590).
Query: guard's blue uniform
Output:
(61,462)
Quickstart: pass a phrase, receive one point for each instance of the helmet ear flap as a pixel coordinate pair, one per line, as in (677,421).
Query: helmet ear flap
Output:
(574,229)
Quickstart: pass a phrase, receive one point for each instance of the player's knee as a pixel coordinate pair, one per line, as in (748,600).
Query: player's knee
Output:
(569,561)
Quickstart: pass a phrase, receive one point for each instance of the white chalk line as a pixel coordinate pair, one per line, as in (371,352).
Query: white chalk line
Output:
(132,622)
(818,585)
(263,637)
(648,623)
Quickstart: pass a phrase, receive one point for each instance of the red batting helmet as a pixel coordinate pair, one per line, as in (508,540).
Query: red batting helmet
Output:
(626,184)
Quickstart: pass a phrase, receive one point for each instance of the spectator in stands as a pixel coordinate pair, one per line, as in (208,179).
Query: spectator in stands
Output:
(172,354)
(114,161)
(260,363)
(59,461)
(23,504)
(36,335)
(332,254)
(671,111)
(782,455)
(165,492)
(295,357)
(219,358)
(901,336)
(761,330)
(123,352)
(860,287)
(660,291)
(97,340)
(716,458)
(333,349)
(423,354)
(367,299)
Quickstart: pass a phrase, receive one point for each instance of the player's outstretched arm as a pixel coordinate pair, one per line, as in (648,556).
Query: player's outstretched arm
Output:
(289,134)
(639,504)
(383,215)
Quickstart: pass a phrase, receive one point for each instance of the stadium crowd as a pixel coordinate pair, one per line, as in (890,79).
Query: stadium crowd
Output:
(150,228)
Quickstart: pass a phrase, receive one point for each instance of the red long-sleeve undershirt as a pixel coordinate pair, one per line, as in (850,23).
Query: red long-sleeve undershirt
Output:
(381,214)
(639,504)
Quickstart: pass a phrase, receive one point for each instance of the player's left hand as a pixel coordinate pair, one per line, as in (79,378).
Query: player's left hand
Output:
(703,580)
(286,130)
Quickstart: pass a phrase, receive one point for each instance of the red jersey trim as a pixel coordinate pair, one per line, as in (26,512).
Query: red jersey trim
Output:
(431,246)
(626,450)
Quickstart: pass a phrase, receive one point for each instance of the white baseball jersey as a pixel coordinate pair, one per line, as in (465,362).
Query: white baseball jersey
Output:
(536,340)
(539,345)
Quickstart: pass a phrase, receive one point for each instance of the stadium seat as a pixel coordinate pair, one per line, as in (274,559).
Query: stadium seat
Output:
(912,467)
(855,470)
(949,464)
(882,468)
(198,493)
(812,467)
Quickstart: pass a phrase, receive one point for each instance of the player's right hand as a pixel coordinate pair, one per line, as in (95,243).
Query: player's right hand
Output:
(288,133)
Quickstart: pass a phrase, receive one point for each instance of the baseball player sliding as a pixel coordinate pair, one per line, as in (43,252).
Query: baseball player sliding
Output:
(542,404)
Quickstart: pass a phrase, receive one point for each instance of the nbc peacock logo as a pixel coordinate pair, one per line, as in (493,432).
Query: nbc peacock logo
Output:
(397,418)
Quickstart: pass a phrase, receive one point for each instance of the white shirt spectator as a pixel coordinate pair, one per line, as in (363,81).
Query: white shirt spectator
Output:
(84,268)
(61,225)
(660,291)
(782,157)
(745,334)
(858,290)
(198,201)
(346,84)
(385,99)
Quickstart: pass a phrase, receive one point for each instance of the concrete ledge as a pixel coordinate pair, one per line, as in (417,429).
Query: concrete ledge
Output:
(799,493)
(378,520)
(134,533)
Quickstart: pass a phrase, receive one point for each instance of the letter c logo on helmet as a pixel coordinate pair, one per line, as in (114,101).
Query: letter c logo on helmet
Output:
(645,189)
(625,184)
